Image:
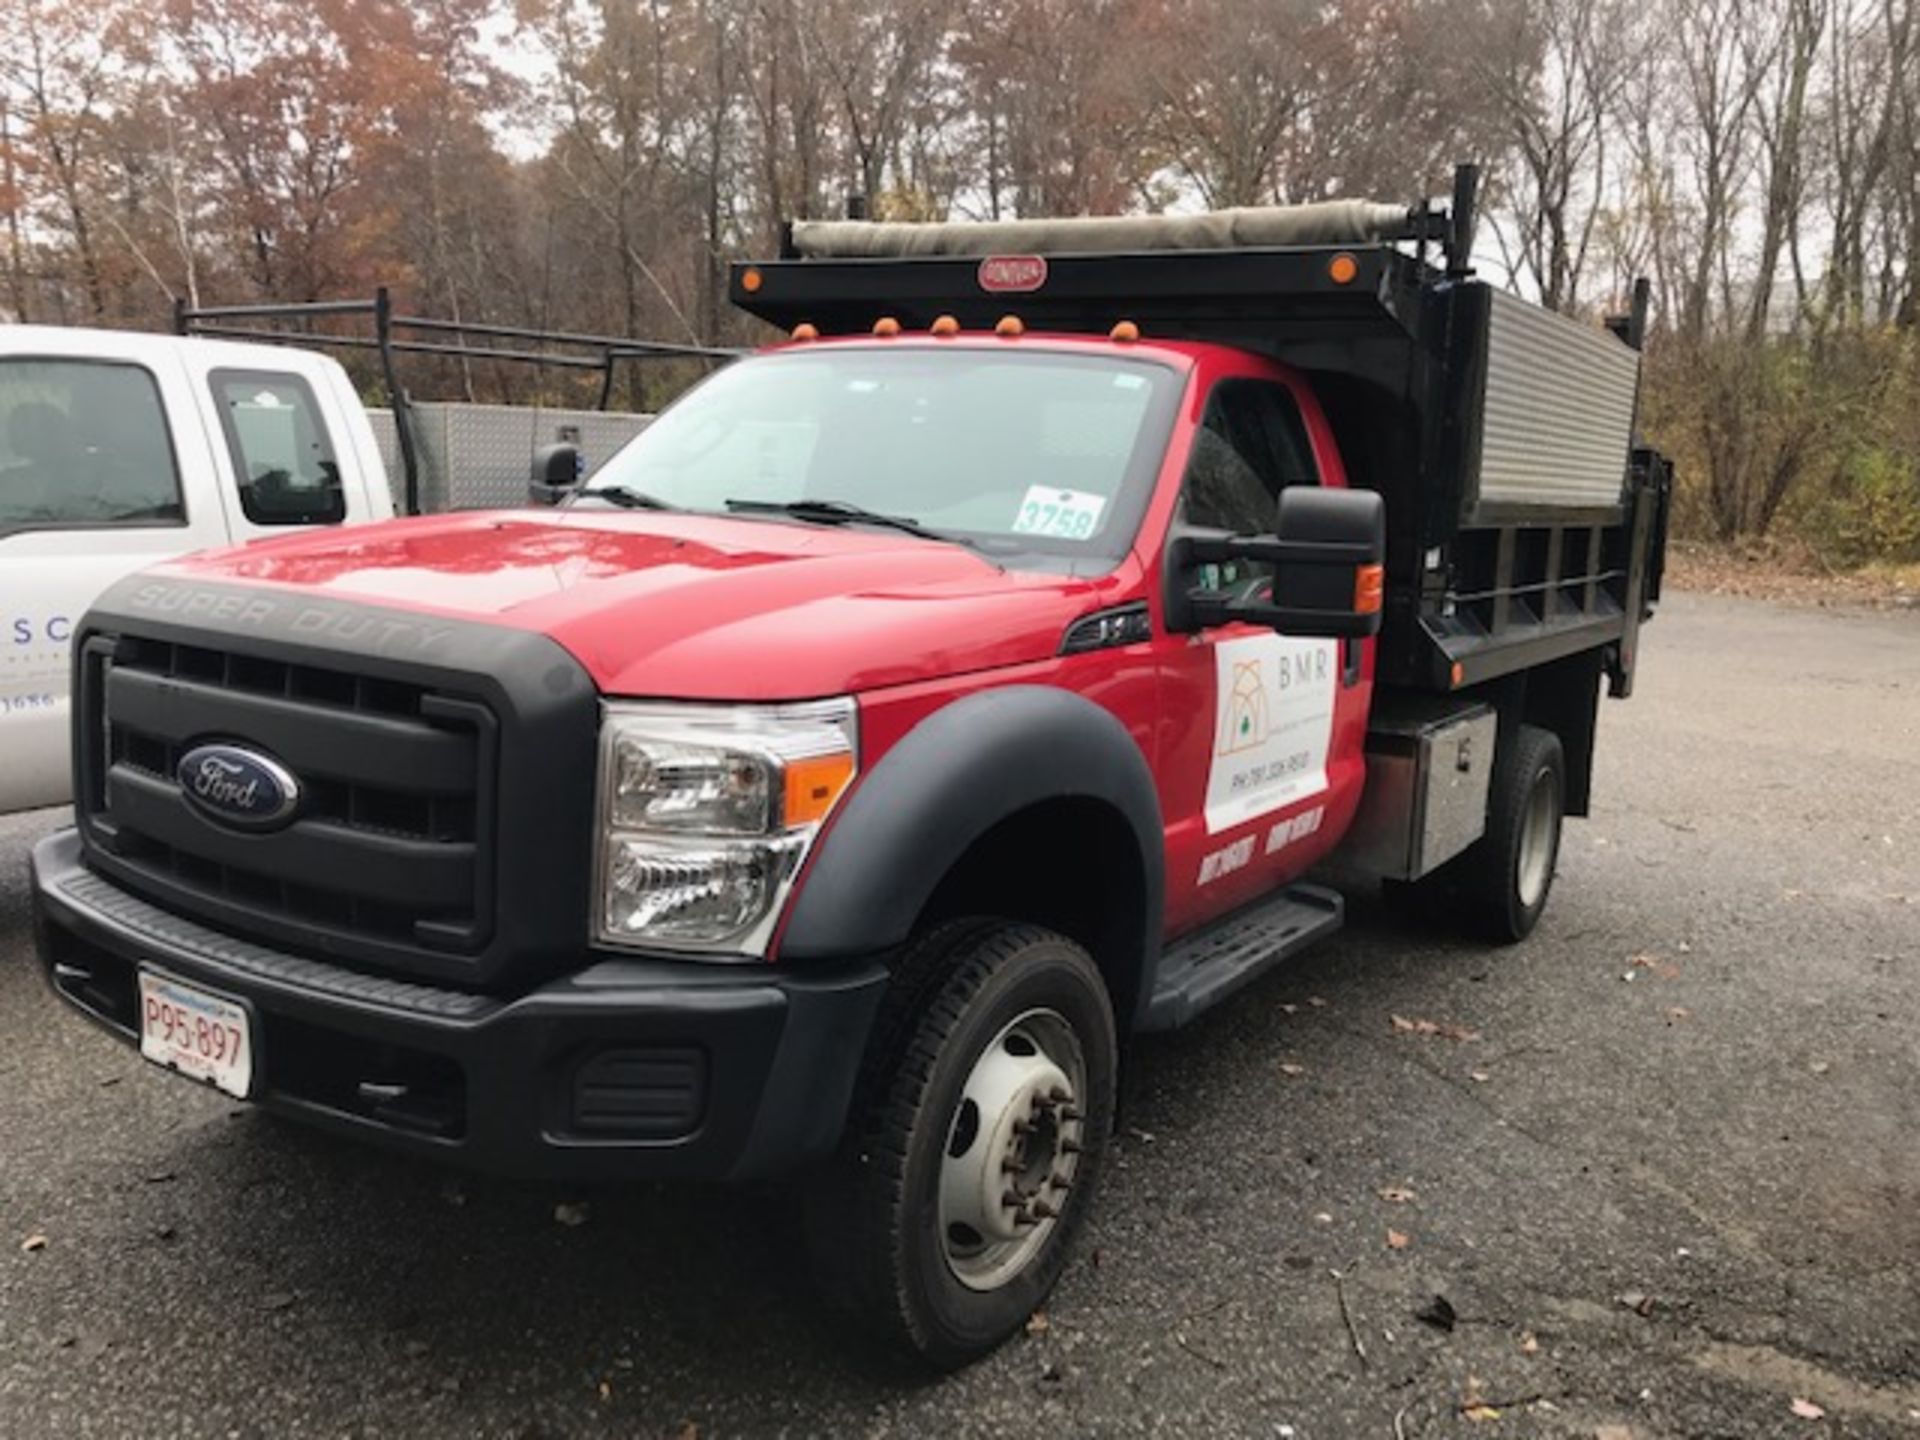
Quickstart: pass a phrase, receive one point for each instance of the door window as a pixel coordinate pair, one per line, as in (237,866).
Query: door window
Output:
(84,443)
(1250,446)
(280,448)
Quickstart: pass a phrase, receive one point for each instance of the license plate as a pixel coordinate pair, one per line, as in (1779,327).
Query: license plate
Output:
(206,1036)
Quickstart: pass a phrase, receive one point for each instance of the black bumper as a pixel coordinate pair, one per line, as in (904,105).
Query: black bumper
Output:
(626,1069)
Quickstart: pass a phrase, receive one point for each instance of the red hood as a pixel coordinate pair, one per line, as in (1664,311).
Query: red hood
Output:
(690,606)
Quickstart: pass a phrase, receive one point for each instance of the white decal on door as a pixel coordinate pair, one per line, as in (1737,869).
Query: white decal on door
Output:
(1273,722)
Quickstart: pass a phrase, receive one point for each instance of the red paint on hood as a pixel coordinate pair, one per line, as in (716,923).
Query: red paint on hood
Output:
(686,606)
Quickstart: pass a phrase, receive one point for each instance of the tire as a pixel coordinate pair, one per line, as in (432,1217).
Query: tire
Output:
(1504,879)
(987,1026)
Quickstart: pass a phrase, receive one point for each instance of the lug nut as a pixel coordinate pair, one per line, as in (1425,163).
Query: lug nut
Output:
(1023,1127)
(1045,1211)
(1072,1112)
(1059,1094)
(1070,1147)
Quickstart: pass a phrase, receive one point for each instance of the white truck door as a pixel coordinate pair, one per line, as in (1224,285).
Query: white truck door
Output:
(105,467)
(288,454)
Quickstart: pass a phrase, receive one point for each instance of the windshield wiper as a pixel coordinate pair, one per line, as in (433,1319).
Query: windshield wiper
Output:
(626,497)
(839,512)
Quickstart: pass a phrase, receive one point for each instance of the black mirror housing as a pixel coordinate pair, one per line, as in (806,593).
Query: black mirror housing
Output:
(557,471)
(1328,551)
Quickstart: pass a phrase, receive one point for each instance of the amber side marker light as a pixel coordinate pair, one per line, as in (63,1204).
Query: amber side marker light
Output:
(945,325)
(1124,332)
(1459,674)
(813,785)
(1369,585)
(886,327)
(804,331)
(1342,269)
(1009,326)
(751,280)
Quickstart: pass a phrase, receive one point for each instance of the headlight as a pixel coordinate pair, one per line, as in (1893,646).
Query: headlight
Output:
(706,814)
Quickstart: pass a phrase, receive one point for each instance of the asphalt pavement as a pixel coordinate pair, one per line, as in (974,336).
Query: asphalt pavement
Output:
(1662,1162)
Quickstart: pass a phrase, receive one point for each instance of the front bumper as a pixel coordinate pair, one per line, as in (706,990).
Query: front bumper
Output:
(628,1068)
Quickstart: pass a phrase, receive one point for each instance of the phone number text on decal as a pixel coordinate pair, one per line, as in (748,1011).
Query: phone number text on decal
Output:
(1270,771)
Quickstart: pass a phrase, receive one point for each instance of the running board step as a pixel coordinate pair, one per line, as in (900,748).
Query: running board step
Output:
(1203,969)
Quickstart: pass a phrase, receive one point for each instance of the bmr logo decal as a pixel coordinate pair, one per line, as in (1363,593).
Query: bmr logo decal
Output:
(239,787)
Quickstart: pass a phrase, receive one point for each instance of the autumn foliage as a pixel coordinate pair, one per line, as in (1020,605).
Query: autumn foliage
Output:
(591,165)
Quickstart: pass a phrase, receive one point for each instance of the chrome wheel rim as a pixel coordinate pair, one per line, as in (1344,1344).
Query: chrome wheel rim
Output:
(1012,1150)
(1537,830)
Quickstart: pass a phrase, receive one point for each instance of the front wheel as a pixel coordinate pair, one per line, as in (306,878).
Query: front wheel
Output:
(984,1112)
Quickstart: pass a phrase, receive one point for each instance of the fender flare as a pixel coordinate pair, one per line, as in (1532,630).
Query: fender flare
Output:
(959,772)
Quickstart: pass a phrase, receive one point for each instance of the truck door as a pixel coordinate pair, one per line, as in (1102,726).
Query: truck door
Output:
(103,469)
(1263,735)
(279,446)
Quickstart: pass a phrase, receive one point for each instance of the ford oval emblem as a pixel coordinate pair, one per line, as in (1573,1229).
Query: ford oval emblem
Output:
(239,787)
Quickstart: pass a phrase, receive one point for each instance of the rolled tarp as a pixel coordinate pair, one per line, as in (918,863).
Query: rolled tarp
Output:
(1327,222)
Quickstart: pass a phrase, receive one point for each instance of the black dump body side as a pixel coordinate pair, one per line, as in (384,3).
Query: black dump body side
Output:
(1404,358)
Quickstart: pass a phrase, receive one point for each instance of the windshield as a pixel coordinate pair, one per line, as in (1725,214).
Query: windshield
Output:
(1043,453)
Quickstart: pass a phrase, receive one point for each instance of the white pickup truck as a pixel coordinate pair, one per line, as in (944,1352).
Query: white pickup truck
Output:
(118,450)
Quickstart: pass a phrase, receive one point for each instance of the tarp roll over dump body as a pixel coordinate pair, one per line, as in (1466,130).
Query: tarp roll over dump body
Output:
(1520,518)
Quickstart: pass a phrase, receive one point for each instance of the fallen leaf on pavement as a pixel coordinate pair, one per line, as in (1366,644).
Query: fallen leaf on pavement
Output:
(1529,1344)
(1612,1432)
(1643,961)
(1316,1002)
(1287,1067)
(1398,1239)
(1038,1324)
(572,1213)
(1396,1194)
(33,1243)
(1432,1027)
(1323,1218)
(1479,1077)
(1478,1413)
(1820,1067)
(1636,1301)
(1806,1409)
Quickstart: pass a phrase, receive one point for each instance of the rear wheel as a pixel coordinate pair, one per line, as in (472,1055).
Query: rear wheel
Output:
(1505,878)
(985,1109)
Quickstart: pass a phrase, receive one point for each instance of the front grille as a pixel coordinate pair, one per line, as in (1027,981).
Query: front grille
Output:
(390,855)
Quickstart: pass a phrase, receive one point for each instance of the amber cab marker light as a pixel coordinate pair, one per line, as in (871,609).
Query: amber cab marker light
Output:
(1124,332)
(804,331)
(1342,269)
(886,327)
(1010,326)
(945,325)
(1459,674)
(751,280)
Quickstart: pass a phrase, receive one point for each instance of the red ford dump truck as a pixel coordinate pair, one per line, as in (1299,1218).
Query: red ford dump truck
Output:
(914,712)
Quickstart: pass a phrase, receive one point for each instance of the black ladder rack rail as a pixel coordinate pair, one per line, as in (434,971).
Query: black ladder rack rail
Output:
(599,353)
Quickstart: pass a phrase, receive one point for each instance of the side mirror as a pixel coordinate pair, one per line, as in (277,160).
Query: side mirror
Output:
(1327,552)
(557,471)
